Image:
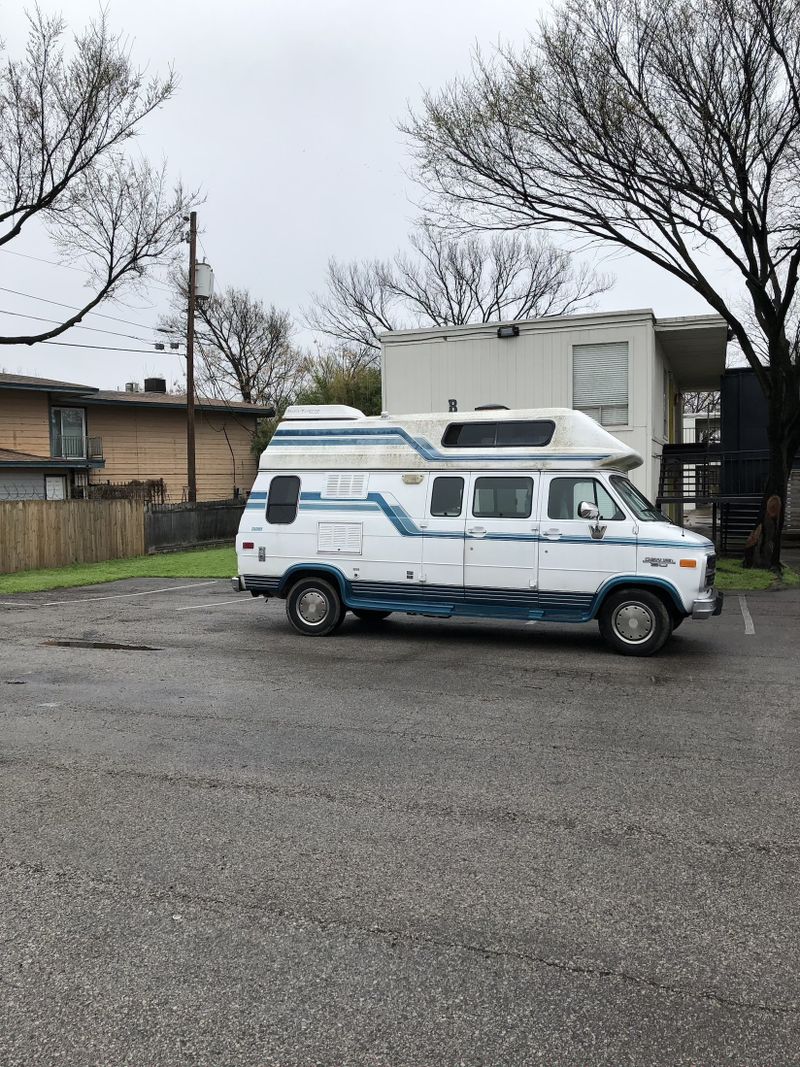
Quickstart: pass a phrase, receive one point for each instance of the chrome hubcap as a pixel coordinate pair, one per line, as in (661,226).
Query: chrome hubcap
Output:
(313,607)
(633,623)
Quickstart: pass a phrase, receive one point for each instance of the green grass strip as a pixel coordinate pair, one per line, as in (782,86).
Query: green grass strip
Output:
(221,563)
(731,575)
(199,563)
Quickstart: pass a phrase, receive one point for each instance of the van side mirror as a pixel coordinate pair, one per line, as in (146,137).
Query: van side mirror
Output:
(588,511)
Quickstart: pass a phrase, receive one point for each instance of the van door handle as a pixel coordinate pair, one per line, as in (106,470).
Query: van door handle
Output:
(476,531)
(552,534)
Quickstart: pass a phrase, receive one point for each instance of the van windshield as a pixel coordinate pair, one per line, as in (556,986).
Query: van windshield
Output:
(636,501)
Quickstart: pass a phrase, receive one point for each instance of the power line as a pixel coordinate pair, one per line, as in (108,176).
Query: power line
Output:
(69,307)
(38,259)
(113,348)
(68,266)
(91,329)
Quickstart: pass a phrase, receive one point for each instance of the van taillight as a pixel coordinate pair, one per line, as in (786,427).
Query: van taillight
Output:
(248,544)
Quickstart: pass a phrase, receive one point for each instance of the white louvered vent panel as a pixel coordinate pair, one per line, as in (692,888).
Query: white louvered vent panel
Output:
(340,538)
(600,382)
(345,486)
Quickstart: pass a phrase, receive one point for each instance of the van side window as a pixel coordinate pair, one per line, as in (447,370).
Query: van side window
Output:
(503,498)
(567,493)
(284,490)
(447,496)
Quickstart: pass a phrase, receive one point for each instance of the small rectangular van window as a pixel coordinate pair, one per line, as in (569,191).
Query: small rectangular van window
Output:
(503,498)
(284,492)
(447,496)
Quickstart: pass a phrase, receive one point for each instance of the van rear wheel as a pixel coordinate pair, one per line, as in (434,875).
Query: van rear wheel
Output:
(314,607)
(369,615)
(635,622)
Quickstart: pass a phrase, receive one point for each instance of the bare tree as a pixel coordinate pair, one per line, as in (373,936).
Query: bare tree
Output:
(246,351)
(706,404)
(699,403)
(446,281)
(666,127)
(64,123)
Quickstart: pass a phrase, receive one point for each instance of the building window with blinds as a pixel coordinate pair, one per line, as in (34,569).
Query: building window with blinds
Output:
(600,382)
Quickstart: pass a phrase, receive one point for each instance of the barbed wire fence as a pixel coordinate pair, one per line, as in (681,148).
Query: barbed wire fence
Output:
(149,491)
(10,490)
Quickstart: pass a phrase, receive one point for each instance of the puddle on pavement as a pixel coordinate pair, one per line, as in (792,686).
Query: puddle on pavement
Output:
(114,645)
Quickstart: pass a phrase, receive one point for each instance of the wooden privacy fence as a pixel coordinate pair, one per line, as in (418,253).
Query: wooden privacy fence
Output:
(54,533)
(184,525)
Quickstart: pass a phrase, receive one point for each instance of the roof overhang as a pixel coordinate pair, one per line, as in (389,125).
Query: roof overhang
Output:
(66,389)
(52,464)
(695,348)
(201,407)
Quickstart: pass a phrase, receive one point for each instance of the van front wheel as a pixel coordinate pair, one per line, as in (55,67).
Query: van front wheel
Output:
(314,607)
(635,622)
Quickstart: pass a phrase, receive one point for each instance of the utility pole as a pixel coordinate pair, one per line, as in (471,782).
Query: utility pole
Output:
(190,446)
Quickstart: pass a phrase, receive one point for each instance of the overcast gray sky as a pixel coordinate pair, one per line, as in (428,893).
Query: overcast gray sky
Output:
(286,116)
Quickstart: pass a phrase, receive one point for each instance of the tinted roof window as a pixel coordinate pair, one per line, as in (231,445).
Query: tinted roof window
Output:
(534,433)
(470,435)
(515,434)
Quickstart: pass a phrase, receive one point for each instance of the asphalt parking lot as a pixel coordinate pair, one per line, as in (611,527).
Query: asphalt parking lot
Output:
(424,843)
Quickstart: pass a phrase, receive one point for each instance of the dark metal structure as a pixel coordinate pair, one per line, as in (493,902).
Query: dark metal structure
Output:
(728,477)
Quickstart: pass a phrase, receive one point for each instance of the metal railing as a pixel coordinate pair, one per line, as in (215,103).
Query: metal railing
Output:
(67,446)
(699,474)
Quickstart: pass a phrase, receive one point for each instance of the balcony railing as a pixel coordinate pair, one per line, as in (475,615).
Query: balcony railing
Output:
(700,474)
(68,447)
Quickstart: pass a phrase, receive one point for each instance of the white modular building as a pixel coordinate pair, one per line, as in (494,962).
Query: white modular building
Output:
(626,369)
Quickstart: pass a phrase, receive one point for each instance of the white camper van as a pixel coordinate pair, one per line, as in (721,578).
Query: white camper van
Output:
(492,513)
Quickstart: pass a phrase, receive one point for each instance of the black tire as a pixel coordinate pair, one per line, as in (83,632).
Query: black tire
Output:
(369,615)
(635,622)
(314,607)
(677,620)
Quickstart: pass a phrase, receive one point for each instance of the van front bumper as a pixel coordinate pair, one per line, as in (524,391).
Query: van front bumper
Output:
(708,606)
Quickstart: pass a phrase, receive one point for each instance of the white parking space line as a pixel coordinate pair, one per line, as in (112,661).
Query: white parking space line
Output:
(120,596)
(217,603)
(749,628)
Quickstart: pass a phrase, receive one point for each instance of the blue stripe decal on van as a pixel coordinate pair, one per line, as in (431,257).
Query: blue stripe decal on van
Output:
(392,435)
(405,525)
(477,601)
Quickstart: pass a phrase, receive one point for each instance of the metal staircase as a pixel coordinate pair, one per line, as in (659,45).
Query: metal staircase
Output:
(730,483)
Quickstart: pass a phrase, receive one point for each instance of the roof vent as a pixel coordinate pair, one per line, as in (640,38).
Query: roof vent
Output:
(155,385)
(492,407)
(131,387)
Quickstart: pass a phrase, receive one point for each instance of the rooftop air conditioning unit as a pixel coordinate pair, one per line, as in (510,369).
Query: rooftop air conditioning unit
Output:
(131,387)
